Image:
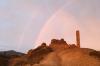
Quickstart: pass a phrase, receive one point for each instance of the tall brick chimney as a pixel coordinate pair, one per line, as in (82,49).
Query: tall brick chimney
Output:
(78,38)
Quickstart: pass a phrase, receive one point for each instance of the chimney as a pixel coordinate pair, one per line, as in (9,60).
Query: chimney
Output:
(78,38)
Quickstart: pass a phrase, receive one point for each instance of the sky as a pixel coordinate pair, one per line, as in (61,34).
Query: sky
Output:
(25,24)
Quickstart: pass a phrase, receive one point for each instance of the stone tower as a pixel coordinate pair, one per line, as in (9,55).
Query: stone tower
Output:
(78,38)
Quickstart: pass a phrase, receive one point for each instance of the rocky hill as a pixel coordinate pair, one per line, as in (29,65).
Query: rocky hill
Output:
(57,53)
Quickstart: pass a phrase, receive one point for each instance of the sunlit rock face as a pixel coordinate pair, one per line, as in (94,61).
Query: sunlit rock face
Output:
(60,45)
(71,57)
(58,53)
(55,44)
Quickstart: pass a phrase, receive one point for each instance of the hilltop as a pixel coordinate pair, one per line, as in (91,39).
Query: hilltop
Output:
(58,53)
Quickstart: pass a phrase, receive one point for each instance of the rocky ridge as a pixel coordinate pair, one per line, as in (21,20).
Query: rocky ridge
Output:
(58,53)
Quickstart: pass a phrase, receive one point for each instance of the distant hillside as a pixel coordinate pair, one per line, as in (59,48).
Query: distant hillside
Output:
(5,56)
(11,53)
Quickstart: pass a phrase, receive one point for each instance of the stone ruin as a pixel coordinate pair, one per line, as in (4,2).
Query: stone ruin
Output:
(61,44)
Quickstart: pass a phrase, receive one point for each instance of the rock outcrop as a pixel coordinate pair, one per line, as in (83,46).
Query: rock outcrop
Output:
(57,53)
